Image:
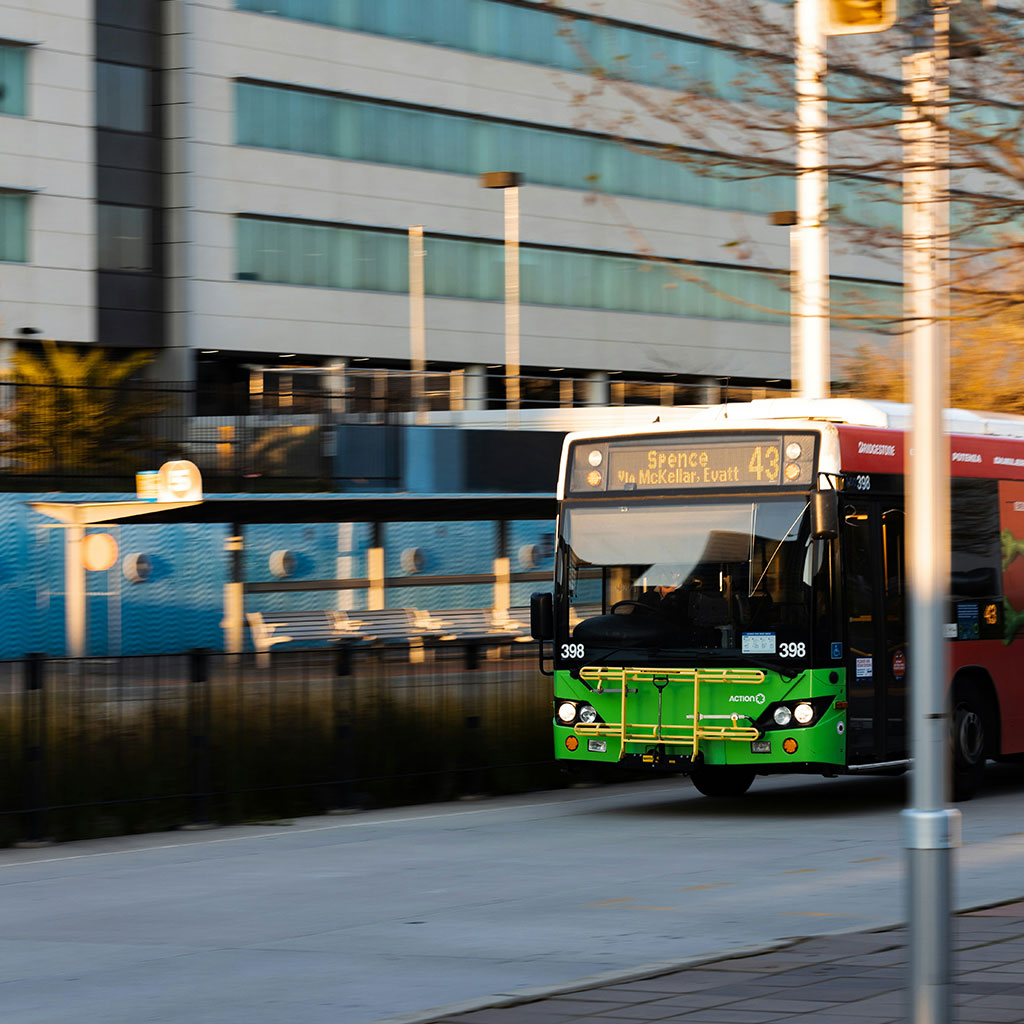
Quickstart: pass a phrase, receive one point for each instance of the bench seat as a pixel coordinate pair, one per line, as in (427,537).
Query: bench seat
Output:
(483,623)
(387,625)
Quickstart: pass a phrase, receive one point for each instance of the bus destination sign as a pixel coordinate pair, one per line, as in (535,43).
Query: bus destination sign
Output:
(693,463)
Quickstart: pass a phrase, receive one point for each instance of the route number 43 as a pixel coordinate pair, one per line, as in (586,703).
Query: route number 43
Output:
(572,652)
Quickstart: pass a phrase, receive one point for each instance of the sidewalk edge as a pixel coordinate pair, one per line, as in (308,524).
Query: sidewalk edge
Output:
(529,995)
(653,969)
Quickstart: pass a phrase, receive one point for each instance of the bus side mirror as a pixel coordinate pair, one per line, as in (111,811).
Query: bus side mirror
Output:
(542,619)
(825,514)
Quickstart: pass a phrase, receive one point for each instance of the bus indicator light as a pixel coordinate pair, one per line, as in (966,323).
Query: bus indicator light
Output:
(793,451)
(789,745)
(594,458)
(571,743)
(593,478)
(792,471)
(597,746)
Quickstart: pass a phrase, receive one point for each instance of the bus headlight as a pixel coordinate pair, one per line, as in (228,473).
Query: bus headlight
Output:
(587,714)
(800,712)
(566,713)
(783,716)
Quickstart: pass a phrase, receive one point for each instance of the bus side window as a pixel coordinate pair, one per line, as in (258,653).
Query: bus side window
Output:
(859,603)
(893,560)
(976,552)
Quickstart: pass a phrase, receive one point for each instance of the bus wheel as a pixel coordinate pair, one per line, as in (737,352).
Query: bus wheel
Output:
(968,728)
(723,780)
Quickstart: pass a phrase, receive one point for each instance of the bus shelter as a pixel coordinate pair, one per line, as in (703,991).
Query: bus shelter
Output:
(239,511)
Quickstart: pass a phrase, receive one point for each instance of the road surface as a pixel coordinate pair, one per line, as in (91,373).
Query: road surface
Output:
(346,920)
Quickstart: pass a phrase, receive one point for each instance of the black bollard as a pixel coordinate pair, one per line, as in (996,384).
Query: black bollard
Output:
(34,732)
(199,768)
(344,800)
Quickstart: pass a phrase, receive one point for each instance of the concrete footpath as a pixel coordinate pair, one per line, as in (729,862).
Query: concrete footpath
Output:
(856,978)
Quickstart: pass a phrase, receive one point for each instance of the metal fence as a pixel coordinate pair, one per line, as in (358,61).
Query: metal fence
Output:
(104,746)
(287,432)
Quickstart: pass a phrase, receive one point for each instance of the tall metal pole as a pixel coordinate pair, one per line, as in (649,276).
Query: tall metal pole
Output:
(809,301)
(509,181)
(512,302)
(932,828)
(417,323)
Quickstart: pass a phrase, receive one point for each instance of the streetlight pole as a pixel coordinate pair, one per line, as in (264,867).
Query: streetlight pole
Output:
(508,182)
(931,828)
(809,300)
(417,323)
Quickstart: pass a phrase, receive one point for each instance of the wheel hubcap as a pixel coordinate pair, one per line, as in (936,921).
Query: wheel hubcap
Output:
(970,736)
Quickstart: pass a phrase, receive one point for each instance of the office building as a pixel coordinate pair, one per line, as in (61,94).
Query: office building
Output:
(231,184)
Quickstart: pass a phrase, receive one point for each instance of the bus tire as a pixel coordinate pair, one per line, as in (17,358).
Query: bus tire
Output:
(723,780)
(969,739)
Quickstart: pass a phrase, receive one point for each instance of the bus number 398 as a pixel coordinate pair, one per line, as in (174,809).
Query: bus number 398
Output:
(793,650)
(572,651)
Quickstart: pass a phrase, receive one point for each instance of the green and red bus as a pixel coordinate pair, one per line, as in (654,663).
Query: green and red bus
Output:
(730,594)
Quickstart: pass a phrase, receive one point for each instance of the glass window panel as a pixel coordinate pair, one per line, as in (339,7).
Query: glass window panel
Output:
(124,237)
(537,36)
(245,249)
(321,126)
(364,276)
(296,110)
(364,130)
(122,97)
(459,153)
(364,259)
(346,251)
(350,135)
(248,119)
(304,107)
(270,254)
(429,144)
(314,270)
(519,33)
(14,228)
(12,79)
(369,141)
(486,147)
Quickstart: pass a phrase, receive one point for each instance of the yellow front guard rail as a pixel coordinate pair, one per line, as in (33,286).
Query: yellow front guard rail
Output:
(606,677)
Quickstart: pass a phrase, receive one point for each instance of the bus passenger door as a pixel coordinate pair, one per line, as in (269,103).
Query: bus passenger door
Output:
(875,577)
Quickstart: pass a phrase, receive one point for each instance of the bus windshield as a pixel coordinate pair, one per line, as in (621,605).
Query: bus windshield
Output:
(727,576)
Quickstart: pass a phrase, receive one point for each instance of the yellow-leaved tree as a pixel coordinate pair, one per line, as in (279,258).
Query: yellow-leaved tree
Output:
(986,366)
(74,411)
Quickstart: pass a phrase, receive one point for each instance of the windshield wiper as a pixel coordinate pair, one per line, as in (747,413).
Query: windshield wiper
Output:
(778,548)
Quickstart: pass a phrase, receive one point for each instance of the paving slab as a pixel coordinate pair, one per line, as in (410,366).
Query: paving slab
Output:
(854,978)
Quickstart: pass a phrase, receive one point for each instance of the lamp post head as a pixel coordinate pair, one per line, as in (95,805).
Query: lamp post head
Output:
(500,179)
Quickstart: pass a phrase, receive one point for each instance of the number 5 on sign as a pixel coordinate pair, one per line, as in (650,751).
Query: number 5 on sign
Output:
(180,481)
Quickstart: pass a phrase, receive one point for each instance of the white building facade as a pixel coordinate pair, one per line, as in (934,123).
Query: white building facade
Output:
(230,183)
